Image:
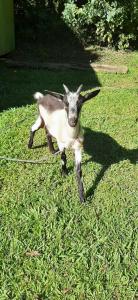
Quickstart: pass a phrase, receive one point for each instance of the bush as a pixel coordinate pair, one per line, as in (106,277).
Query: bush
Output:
(111,23)
(104,22)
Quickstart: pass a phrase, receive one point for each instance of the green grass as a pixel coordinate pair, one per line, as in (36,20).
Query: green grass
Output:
(85,251)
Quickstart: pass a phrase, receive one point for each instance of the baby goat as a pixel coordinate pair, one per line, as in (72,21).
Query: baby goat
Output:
(59,114)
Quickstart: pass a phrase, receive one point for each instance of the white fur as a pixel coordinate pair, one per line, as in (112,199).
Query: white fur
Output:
(38,95)
(57,124)
(37,124)
(78,156)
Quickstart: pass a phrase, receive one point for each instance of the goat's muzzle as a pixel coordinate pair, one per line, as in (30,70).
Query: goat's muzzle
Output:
(72,122)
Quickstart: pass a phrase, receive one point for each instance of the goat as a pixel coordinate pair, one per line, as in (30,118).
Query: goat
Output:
(59,114)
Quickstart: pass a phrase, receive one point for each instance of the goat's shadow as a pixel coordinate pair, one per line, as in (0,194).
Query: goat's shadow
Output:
(104,150)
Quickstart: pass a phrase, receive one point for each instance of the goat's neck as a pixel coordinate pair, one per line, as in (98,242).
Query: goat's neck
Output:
(74,131)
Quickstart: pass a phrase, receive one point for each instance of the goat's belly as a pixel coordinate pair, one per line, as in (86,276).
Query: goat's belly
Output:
(75,144)
(63,138)
(66,143)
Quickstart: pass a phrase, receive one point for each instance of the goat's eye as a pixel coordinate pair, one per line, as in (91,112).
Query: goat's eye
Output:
(67,104)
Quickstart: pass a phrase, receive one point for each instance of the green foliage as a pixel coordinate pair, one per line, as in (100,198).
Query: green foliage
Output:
(105,22)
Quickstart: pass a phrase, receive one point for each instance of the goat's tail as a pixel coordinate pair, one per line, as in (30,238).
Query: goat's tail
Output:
(38,96)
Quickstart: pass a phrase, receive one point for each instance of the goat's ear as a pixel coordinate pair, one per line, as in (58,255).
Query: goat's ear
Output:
(79,89)
(66,89)
(90,95)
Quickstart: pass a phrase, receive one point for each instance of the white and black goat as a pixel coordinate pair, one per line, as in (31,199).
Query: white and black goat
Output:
(59,114)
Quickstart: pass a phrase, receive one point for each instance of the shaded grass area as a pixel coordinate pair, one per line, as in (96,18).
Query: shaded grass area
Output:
(83,251)
(17,86)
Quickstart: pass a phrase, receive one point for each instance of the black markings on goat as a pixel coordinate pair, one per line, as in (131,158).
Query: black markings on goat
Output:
(64,170)
(80,182)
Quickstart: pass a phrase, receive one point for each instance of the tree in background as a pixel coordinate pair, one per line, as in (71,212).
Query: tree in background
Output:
(104,22)
(112,23)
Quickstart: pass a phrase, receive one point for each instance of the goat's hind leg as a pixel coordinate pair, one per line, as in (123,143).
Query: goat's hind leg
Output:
(49,141)
(37,125)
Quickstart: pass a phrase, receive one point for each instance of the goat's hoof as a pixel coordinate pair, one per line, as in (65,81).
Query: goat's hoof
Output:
(54,151)
(82,199)
(30,144)
(64,172)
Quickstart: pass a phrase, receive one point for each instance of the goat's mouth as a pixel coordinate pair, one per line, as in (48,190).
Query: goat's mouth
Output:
(72,123)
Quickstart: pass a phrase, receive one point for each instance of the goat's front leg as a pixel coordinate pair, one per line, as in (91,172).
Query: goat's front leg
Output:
(79,174)
(64,170)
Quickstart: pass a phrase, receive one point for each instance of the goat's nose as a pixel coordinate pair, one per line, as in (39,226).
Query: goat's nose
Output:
(72,121)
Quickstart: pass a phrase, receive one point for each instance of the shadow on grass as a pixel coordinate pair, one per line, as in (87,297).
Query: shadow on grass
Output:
(17,86)
(44,37)
(105,151)
(40,40)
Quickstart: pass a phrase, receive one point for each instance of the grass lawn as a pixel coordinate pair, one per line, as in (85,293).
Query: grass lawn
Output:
(51,246)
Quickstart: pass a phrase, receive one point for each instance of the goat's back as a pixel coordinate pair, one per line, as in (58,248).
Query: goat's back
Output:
(50,103)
